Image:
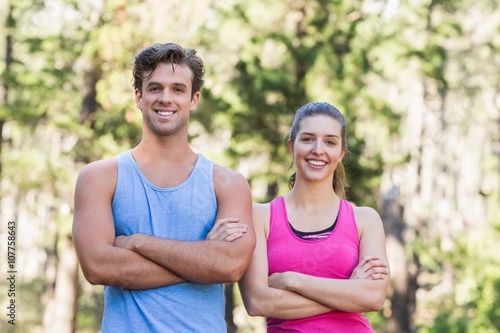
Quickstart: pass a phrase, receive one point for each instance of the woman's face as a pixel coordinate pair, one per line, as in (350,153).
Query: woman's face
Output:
(317,148)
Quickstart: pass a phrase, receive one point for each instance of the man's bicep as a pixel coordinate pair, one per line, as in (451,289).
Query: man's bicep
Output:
(233,194)
(93,227)
(234,199)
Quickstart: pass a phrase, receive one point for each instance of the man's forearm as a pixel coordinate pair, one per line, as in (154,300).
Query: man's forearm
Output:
(207,261)
(126,269)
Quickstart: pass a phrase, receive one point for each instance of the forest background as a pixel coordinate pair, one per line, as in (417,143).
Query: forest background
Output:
(418,82)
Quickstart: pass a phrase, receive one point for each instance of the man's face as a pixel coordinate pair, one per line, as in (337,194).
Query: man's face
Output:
(166,101)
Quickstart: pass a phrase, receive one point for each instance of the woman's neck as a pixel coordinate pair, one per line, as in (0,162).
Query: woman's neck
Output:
(312,197)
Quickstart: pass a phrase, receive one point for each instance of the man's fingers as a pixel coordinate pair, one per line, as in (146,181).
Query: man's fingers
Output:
(227,227)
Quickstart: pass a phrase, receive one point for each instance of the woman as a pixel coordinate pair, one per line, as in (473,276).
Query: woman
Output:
(319,262)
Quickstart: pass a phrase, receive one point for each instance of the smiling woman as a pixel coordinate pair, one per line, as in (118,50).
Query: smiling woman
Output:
(337,135)
(319,261)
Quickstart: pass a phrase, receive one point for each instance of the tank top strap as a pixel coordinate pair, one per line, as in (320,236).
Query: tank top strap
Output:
(346,215)
(278,218)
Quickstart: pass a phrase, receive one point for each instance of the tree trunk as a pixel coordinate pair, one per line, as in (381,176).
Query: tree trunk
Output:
(60,311)
(10,24)
(403,269)
(229,296)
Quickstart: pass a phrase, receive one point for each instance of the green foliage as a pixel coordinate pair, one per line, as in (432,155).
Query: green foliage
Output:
(473,304)
(264,59)
(89,310)
(285,65)
(29,310)
(487,304)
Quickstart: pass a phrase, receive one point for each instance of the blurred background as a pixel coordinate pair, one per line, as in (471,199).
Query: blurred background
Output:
(418,82)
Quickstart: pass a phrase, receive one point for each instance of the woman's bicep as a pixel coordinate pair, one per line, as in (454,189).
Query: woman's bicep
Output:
(372,236)
(256,274)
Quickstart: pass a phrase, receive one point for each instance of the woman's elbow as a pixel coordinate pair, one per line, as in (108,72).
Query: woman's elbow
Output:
(375,302)
(255,307)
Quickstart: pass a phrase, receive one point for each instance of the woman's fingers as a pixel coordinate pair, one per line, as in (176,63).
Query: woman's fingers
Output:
(370,267)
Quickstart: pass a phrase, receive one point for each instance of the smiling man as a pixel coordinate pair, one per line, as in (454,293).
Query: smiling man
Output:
(160,226)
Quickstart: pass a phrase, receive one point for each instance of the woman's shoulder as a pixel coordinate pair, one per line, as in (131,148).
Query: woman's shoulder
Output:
(366,216)
(364,211)
(261,215)
(261,209)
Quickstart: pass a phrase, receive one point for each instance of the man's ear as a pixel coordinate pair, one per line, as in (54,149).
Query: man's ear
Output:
(138,98)
(195,100)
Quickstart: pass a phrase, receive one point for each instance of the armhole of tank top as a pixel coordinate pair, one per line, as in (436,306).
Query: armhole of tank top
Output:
(211,166)
(349,212)
(274,207)
(118,159)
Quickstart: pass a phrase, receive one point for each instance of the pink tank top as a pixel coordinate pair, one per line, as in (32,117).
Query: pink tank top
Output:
(334,257)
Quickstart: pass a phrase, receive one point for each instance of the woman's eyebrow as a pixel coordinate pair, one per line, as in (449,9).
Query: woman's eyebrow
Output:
(328,135)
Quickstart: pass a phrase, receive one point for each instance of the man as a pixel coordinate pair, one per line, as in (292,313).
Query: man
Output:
(161,226)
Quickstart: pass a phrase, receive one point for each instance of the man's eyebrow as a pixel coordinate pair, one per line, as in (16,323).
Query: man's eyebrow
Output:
(180,84)
(153,83)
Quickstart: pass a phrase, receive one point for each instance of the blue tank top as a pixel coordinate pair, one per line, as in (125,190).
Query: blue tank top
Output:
(184,212)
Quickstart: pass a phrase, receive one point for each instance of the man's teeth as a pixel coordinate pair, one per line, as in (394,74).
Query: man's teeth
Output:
(313,162)
(165,113)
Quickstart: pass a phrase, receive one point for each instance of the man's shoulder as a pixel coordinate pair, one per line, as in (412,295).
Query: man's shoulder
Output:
(223,173)
(105,169)
(226,179)
(101,166)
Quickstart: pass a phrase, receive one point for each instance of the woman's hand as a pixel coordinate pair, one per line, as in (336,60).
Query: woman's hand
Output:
(227,229)
(370,267)
(284,281)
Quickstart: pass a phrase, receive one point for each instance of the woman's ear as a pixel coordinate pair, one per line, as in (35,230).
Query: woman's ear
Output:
(344,151)
(290,147)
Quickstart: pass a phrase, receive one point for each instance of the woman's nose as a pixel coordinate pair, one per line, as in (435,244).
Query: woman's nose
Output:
(318,148)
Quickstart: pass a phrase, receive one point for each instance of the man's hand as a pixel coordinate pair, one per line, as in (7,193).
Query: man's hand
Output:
(125,242)
(227,229)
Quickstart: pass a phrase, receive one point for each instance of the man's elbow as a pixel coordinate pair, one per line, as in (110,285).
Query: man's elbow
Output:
(91,277)
(235,273)
(240,264)
(94,276)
